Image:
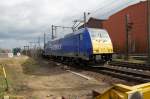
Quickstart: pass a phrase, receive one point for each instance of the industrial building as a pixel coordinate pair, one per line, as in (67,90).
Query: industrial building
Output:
(116,26)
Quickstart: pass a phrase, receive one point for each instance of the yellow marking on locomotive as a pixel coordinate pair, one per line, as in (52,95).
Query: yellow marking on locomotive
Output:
(100,47)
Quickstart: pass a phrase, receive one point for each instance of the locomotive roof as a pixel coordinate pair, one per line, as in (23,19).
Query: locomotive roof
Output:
(70,34)
(77,32)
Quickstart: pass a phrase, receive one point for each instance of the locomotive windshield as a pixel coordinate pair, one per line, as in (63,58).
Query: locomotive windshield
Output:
(98,33)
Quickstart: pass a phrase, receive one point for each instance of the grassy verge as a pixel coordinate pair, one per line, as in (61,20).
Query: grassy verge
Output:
(14,75)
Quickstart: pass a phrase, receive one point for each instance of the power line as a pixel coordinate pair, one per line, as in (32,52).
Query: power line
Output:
(120,6)
(92,12)
(108,6)
(54,28)
(100,8)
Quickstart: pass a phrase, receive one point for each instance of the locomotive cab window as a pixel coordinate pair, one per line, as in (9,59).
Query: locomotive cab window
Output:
(95,33)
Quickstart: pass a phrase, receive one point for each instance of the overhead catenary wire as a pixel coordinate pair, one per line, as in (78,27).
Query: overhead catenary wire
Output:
(120,6)
(55,27)
(102,8)
(97,9)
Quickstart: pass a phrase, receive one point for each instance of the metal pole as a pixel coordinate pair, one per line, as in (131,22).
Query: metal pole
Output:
(44,40)
(30,45)
(85,24)
(148,28)
(25,50)
(55,31)
(39,42)
(127,37)
(52,32)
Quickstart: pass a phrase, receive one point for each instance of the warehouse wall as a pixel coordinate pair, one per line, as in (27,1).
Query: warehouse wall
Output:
(138,35)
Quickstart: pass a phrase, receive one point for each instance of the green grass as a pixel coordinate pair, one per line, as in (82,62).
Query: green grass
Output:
(3,86)
(18,70)
(13,76)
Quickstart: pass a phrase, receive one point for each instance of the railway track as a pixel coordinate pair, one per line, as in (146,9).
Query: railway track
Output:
(130,72)
(139,66)
(139,73)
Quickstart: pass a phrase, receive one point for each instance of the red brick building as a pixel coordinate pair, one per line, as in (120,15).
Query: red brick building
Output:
(116,26)
(137,36)
(94,23)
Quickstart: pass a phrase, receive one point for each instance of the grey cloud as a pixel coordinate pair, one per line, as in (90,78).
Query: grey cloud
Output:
(25,20)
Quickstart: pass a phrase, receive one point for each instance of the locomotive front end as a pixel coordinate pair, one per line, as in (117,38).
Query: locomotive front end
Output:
(101,43)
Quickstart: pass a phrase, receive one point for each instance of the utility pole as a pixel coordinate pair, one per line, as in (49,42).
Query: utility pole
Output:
(30,45)
(128,26)
(26,49)
(39,41)
(127,38)
(148,28)
(44,40)
(85,24)
(55,33)
(52,31)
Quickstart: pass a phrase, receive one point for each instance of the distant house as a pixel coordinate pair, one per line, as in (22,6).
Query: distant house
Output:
(116,23)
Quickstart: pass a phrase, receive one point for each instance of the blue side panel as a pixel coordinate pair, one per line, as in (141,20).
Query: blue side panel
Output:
(75,45)
(70,45)
(85,44)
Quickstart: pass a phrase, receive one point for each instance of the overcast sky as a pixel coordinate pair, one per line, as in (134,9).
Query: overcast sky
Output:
(23,21)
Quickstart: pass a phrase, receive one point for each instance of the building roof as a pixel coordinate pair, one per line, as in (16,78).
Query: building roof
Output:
(95,22)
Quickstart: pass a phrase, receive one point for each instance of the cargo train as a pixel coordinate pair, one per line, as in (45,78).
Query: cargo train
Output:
(86,44)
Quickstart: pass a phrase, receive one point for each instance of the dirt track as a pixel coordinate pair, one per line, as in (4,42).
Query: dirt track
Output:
(44,80)
(41,79)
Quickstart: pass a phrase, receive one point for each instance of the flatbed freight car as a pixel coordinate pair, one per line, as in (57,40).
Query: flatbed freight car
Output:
(88,44)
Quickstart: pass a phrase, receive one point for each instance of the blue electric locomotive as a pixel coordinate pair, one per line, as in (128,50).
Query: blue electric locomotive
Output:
(85,44)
